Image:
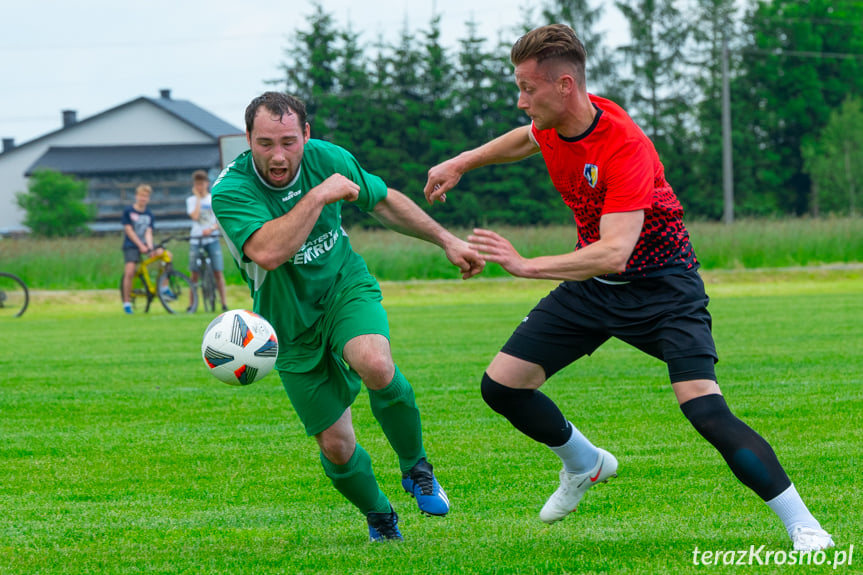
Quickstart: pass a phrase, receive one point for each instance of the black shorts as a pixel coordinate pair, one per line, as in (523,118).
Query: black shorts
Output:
(131,255)
(664,316)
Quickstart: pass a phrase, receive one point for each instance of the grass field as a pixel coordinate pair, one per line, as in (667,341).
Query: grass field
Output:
(121,454)
(96,262)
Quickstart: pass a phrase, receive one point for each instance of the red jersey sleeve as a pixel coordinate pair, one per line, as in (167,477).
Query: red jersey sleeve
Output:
(629,179)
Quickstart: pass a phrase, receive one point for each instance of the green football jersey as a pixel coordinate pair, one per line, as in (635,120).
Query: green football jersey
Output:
(294,296)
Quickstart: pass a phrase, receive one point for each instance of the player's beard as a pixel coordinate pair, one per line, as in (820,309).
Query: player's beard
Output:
(265,171)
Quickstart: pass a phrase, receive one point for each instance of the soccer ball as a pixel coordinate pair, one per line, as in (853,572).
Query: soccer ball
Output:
(240,347)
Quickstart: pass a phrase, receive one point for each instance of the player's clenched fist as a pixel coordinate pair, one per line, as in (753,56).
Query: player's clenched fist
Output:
(337,188)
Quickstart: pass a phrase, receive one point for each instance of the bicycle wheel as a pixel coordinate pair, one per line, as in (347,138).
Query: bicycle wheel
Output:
(176,291)
(208,287)
(14,295)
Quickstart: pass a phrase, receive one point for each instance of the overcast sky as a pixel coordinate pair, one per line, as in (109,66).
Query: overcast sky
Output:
(92,55)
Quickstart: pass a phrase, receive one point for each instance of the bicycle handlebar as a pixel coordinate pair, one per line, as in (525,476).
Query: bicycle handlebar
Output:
(180,239)
(191,238)
(165,241)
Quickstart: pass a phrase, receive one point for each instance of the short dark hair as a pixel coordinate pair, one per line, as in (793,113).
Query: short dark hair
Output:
(200,175)
(279,104)
(552,42)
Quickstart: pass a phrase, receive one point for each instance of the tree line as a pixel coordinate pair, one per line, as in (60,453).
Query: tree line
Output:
(794,74)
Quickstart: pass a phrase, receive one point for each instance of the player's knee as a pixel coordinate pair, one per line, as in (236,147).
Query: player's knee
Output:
(337,449)
(338,457)
(377,370)
(489,390)
(709,415)
(499,397)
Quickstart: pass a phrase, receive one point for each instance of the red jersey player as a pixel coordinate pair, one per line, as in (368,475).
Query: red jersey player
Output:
(633,276)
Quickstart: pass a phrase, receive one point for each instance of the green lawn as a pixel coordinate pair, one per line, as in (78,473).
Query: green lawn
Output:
(121,454)
(96,262)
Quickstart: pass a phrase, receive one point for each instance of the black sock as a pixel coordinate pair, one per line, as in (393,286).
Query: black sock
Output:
(749,456)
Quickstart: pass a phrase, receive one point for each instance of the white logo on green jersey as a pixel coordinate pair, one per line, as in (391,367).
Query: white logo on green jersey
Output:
(311,251)
(292,195)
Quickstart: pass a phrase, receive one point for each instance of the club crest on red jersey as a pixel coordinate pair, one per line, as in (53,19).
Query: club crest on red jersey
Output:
(591,174)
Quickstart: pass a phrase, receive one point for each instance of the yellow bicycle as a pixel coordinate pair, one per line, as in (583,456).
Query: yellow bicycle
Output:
(173,288)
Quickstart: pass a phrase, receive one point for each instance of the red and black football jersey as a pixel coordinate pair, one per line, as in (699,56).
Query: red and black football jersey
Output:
(613,167)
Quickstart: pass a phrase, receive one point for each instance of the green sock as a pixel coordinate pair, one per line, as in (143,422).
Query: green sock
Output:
(396,410)
(356,481)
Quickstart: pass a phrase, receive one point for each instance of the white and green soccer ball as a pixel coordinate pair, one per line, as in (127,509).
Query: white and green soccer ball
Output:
(240,347)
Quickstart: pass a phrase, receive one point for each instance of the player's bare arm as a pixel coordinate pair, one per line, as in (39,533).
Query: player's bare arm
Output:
(278,240)
(618,235)
(400,214)
(515,145)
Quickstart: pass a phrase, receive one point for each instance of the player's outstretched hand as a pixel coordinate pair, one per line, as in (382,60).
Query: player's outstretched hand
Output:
(441,178)
(495,248)
(465,257)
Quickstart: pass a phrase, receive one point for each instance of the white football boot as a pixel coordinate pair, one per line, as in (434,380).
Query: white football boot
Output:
(810,539)
(574,485)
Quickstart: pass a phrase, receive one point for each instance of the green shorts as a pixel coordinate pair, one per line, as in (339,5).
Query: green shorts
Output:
(320,396)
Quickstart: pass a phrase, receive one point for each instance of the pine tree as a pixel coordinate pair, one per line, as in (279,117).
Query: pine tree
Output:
(835,161)
(309,72)
(601,67)
(661,91)
(802,60)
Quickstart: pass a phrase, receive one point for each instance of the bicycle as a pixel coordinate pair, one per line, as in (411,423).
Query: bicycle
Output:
(206,275)
(14,295)
(173,288)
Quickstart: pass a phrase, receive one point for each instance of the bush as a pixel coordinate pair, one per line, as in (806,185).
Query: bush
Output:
(55,205)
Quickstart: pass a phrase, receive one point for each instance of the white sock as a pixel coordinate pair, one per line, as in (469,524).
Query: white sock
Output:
(578,454)
(792,511)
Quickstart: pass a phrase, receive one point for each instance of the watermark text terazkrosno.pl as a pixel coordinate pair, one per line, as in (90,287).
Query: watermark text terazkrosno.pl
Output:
(834,557)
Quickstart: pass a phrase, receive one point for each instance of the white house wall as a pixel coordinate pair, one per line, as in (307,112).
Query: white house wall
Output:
(140,122)
(13,164)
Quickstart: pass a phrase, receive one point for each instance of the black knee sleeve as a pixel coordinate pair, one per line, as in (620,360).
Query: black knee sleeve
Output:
(749,456)
(689,368)
(530,411)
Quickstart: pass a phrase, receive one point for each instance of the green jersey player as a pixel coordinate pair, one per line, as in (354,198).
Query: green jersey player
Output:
(279,205)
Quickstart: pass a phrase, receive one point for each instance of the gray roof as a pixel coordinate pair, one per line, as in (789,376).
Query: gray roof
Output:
(87,160)
(184,110)
(196,116)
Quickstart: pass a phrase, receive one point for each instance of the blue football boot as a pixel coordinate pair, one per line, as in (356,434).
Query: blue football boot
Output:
(420,483)
(384,526)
